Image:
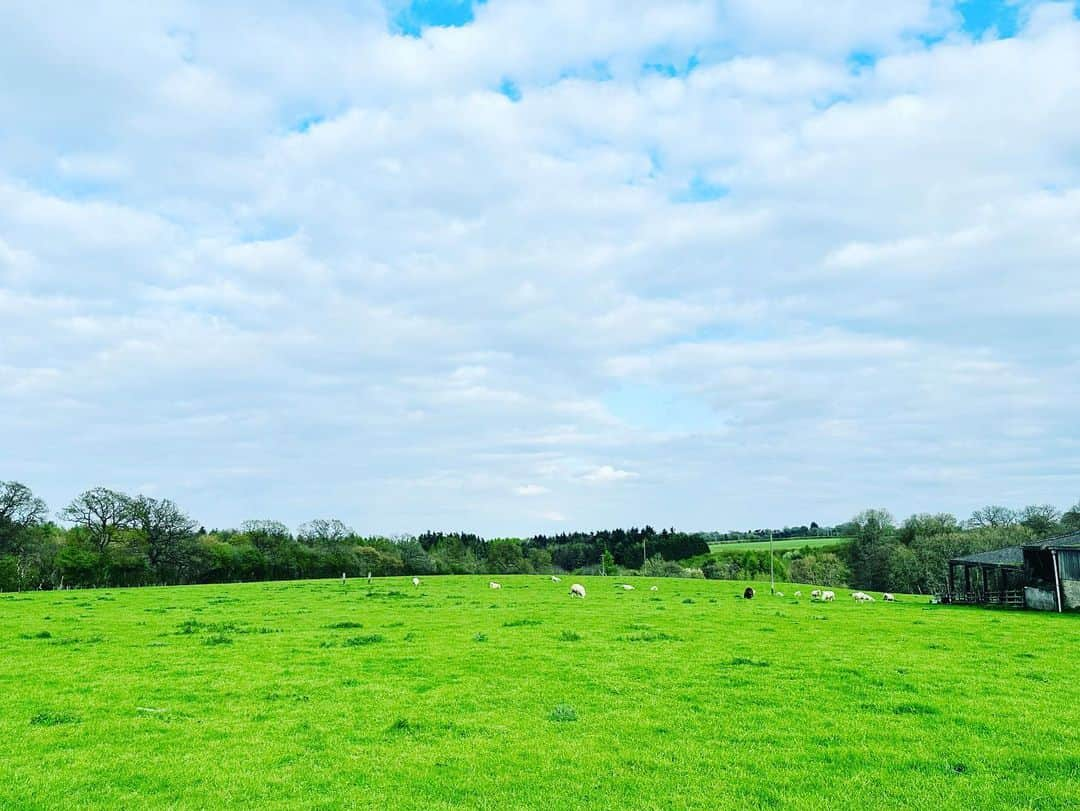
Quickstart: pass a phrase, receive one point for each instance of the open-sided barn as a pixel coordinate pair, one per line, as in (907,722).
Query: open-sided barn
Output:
(1043,575)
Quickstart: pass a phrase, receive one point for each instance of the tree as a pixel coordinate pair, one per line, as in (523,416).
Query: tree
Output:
(165,531)
(105,515)
(324,532)
(924,525)
(1042,519)
(992,515)
(874,536)
(20,509)
(1071,519)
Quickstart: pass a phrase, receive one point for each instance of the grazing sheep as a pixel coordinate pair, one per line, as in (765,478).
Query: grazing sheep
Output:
(748,594)
(828,596)
(627,587)
(555,579)
(416,581)
(577,590)
(815,594)
(654,588)
(888,598)
(494,585)
(779,594)
(798,594)
(861,597)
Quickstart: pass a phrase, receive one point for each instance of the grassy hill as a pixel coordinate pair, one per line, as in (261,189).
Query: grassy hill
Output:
(780,545)
(450,695)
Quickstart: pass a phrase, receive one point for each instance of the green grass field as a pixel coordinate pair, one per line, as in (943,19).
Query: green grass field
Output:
(315,695)
(779,546)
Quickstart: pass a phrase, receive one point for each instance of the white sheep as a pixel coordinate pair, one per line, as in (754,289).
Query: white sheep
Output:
(416,581)
(494,585)
(815,594)
(862,597)
(627,587)
(555,579)
(828,596)
(654,588)
(779,594)
(577,590)
(887,597)
(798,594)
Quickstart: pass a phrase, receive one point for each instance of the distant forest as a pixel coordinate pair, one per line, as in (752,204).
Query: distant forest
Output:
(114,539)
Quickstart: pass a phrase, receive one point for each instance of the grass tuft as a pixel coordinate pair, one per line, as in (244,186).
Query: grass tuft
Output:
(563,713)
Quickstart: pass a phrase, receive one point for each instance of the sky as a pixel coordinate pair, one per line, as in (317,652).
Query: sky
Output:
(517,267)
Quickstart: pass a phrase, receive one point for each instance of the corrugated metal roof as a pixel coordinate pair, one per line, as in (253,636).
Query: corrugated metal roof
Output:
(1009,556)
(1070,540)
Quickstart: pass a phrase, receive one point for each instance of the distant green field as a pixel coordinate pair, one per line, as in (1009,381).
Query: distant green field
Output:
(312,695)
(779,546)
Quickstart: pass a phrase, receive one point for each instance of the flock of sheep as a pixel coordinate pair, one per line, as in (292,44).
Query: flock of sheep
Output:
(819,595)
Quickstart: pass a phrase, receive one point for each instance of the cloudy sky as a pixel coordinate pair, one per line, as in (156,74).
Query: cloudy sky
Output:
(528,266)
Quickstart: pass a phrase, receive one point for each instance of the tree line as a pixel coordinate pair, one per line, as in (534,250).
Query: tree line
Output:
(115,539)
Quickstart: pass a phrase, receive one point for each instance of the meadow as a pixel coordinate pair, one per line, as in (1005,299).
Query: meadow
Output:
(321,695)
(778,545)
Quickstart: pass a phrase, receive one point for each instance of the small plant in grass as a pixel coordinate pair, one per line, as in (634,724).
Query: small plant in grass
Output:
(569,636)
(53,719)
(38,635)
(743,661)
(480,637)
(218,639)
(369,639)
(337,625)
(563,713)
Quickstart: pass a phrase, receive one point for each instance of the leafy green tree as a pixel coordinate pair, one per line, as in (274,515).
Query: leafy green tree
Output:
(505,556)
(1070,520)
(607,563)
(875,534)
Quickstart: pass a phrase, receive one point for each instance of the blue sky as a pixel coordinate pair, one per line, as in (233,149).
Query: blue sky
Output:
(528,266)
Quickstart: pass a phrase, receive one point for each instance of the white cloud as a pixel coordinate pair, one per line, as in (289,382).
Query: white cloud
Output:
(428,294)
(608,473)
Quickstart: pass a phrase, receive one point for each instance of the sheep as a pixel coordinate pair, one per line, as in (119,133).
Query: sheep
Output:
(798,594)
(494,585)
(627,587)
(887,597)
(555,579)
(416,581)
(828,596)
(654,588)
(815,594)
(577,590)
(861,597)
(779,594)
(748,594)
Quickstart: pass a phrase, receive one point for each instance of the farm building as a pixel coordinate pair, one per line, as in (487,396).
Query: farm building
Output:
(1044,575)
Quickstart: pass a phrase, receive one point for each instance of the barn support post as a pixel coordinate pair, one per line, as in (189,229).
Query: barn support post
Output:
(951,583)
(1057,579)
